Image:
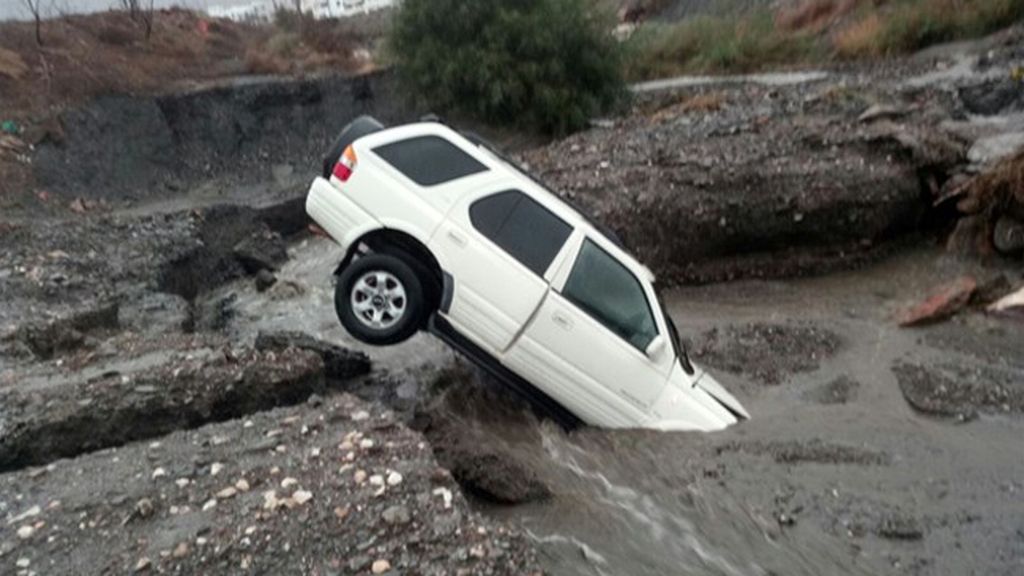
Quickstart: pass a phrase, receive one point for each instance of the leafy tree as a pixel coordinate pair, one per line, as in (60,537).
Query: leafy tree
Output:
(544,64)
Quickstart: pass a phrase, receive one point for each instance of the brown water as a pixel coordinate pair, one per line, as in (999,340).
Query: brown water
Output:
(862,487)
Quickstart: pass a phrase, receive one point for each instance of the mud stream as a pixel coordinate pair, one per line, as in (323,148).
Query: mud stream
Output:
(836,473)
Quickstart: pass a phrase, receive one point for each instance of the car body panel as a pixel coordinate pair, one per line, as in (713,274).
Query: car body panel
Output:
(517,316)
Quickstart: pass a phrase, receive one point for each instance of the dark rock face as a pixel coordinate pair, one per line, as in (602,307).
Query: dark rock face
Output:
(149,147)
(496,477)
(112,409)
(62,335)
(339,363)
(992,98)
(261,250)
(767,186)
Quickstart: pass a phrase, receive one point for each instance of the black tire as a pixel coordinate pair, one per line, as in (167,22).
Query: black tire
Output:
(372,281)
(355,130)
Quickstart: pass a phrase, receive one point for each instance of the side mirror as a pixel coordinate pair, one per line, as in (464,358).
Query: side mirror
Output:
(656,347)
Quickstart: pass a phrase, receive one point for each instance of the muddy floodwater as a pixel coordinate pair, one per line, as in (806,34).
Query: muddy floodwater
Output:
(835,474)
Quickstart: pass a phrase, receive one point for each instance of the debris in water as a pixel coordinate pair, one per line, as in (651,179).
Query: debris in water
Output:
(943,303)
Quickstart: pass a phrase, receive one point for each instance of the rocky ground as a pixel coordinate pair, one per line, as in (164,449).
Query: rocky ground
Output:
(176,395)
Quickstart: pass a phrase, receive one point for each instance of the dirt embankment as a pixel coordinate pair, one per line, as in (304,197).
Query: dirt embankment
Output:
(720,182)
(331,487)
(245,133)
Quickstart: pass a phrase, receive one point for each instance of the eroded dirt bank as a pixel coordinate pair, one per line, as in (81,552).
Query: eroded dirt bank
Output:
(141,335)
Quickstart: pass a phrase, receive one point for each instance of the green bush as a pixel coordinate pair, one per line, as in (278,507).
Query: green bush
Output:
(916,24)
(545,64)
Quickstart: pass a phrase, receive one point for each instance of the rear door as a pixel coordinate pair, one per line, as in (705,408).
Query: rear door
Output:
(500,247)
(587,345)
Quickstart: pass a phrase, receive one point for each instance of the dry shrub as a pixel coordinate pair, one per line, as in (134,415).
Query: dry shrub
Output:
(261,62)
(116,35)
(860,38)
(701,103)
(809,14)
(12,65)
(996,189)
(905,26)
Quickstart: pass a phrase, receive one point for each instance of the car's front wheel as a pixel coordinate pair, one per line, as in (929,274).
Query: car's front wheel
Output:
(379,300)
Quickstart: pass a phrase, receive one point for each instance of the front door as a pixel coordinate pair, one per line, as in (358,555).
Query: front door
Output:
(587,345)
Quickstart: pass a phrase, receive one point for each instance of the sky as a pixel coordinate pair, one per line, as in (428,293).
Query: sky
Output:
(14,9)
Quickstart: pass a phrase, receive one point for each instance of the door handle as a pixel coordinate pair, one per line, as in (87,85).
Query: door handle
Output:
(562,320)
(457,238)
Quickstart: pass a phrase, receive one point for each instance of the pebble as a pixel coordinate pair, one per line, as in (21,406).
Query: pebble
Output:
(23,563)
(182,482)
(215,468)
(377,480)
(226,493)
(288,482)
(33,511)
(366,444)
(396,515)
(143,564)
(210,504)
(144,508)
(180,551)
(380,566)
(445,494)
(302,496)
(159,473)
(26,532)
(359,477)
(394,479)
(242,485)
(360,415)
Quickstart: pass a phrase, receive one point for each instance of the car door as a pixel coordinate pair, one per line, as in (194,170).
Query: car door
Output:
(498,246)
(587,345)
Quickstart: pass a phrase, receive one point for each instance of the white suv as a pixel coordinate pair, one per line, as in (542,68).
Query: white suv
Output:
(444,233)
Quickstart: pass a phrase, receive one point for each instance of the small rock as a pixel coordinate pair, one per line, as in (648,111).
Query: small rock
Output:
(210,504)
(144,508)
(945,302)
(287,482)
(182,482)
(159,473)
(264,280)
(1012,305)
(341,512)
(359,477)
(143,564)
(226,493)
(23,563)
(445,494)
(26,532)
(215,468)
(302,496)
(880,111)
(380,566)
(180,551)
(242,485)
(360,415)
(394,479)
(396,515)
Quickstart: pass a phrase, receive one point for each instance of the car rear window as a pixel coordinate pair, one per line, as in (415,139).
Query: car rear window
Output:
(520,226)
(429,160)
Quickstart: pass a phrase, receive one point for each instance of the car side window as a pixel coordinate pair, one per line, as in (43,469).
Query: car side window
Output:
(520,226)
(429,160)
(606,290)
